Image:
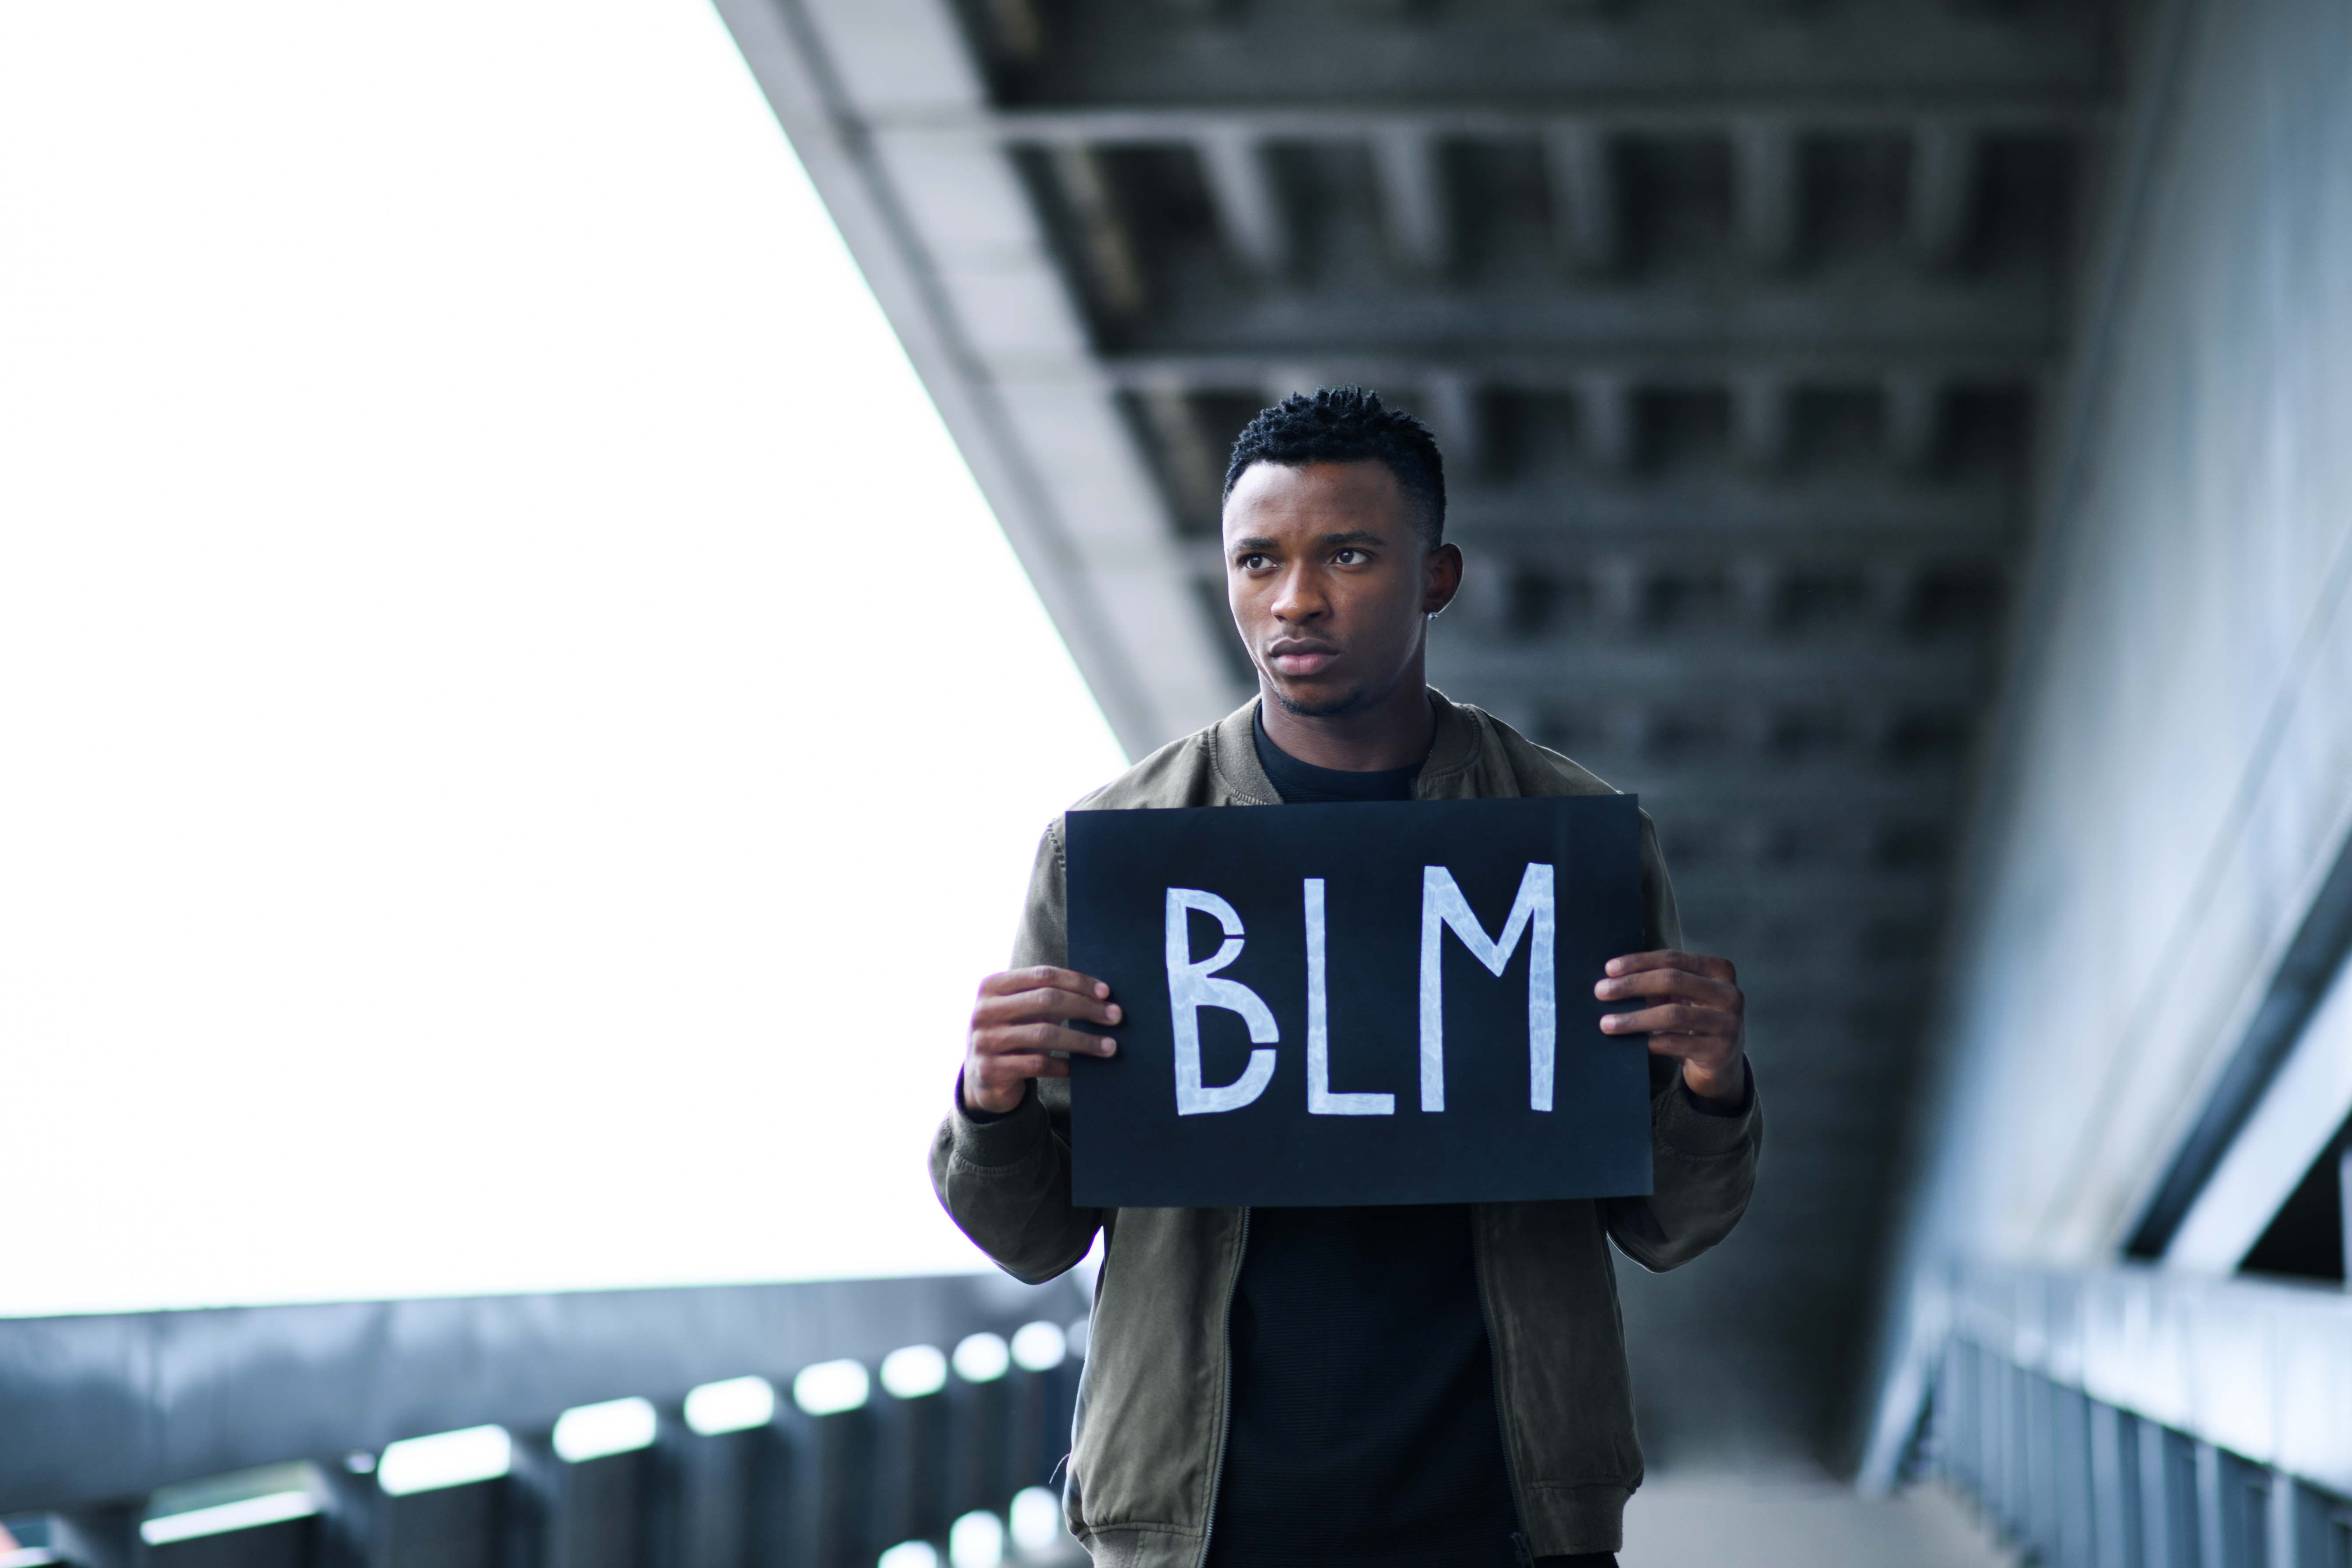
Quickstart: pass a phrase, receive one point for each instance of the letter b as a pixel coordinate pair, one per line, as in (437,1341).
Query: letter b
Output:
(1190,988)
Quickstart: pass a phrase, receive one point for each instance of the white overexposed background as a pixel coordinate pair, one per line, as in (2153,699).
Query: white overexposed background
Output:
(518,734)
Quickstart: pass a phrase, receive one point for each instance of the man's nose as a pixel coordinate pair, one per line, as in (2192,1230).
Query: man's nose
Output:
(1296,598)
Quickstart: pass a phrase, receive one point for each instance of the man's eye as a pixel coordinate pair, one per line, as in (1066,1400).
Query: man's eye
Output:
(1349,556)
(1252,563)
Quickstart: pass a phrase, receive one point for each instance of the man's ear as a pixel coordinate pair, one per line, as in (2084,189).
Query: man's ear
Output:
(1441,578)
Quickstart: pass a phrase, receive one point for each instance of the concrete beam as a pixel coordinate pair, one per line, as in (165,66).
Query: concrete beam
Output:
(1545,516)
(1587,51)
(1770,895)
(1660,114)
(1755,781)
(1278,382)
(1577,369)
(871,93)
(1734,668)
(1613,565)
(2293,1124)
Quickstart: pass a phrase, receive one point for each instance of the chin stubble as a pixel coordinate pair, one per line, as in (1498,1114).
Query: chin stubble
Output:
(1337,708)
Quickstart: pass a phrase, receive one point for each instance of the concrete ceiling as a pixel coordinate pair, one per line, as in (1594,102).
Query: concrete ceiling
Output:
(1732,316)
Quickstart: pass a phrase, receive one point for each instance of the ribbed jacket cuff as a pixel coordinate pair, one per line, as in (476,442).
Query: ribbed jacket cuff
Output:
(1568,1521)
(1003,1140)
(1683,1127)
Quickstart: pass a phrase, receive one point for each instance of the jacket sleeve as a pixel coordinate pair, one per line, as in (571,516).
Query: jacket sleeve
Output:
(1005,1180)
(1703,1164)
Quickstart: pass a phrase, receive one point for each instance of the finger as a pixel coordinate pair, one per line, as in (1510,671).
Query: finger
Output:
(1681,983)
(1676,1017)
(1042,1004)
(1043,977)
(1028,1037)
(1015,1068)
(1705,964)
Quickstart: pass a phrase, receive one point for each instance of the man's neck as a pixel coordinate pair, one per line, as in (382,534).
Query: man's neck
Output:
(1395,732)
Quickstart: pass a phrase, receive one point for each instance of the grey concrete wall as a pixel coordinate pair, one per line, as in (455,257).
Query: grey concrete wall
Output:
(2172,771)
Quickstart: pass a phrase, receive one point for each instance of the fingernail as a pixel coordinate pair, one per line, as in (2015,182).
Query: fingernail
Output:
(1101,989)
(1110,1048)
(1112,1013)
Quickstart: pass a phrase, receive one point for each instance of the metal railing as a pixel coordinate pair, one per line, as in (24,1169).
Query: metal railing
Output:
(2126,1418)
(824,1426)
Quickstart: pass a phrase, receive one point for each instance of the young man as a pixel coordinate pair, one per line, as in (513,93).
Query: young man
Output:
(1420,1386)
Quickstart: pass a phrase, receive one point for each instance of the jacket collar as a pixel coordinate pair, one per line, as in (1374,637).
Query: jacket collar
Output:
(1457,744)
(1233,750)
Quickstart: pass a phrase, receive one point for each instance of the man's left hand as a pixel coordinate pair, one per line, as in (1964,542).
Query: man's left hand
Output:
(1692,1010)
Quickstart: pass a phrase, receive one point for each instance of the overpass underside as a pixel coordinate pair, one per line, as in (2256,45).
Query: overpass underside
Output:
(1731,316)
(1754,332)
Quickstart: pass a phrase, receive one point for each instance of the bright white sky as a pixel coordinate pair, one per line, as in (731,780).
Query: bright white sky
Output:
(498,658)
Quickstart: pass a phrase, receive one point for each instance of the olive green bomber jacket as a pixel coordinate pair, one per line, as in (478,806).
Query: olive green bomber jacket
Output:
(1150,1434)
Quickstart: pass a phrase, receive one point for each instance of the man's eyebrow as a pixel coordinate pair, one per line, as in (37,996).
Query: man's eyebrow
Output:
(1328,541)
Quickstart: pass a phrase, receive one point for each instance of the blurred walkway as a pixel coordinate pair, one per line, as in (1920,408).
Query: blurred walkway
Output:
(1725,1521)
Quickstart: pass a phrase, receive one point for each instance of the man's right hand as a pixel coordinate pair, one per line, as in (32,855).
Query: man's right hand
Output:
(1021,1016)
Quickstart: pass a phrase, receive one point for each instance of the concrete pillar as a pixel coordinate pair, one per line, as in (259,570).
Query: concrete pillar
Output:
(1406,165)
(2344,1209)
(1580,164)
(1943,190)
(97,1537)
(1247,202)
(1451,406)
(1761,404)
(1912,420)
(1766,191)
(1605,404)
(1109,250)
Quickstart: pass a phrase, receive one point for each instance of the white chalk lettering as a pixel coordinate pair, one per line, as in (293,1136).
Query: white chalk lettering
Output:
(1442,905)
(1190,989)
(1320,1101)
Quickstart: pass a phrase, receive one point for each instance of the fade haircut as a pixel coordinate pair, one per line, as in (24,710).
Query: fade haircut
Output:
(1349,424)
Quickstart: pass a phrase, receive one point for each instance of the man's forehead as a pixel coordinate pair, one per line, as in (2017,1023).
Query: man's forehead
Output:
(1365,475)
(1323,496)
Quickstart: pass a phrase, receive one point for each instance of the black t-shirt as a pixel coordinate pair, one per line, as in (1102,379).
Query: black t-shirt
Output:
(1363,1428)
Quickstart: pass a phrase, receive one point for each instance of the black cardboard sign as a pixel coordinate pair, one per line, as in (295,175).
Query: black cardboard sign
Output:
(1359,1003)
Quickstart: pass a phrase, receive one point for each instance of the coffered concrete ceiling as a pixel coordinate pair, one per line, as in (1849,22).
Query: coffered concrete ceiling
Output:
(1732,315)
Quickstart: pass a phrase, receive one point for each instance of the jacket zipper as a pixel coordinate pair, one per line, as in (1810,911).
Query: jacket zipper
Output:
(1225,1411)
(1523,1547)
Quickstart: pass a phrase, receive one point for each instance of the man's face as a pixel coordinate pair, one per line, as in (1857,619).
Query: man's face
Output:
(1332,581)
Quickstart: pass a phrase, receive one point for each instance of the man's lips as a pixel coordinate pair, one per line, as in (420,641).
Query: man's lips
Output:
(1301,658)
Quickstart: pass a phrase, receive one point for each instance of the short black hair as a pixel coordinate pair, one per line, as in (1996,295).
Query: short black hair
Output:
(1347,424)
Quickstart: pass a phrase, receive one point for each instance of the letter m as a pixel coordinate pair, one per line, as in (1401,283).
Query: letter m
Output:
(1442,905)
